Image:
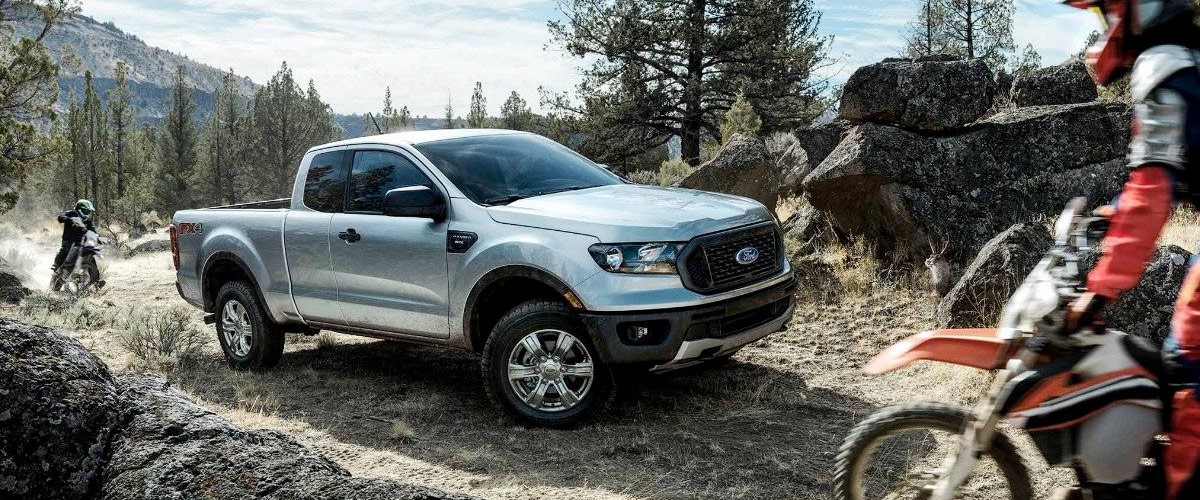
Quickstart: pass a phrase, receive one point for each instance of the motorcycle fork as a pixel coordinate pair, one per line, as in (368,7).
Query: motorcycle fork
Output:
(974,442)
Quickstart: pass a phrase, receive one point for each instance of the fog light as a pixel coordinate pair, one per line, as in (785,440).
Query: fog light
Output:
(651,332)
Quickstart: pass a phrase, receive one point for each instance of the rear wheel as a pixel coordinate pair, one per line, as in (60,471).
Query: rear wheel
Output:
(898,453)
(249,340)
(540,366)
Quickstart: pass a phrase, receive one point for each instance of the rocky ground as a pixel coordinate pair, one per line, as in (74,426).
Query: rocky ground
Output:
(763,425)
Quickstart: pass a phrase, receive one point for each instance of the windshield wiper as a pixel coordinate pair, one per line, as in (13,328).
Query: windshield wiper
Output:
(506,199)
(560,190)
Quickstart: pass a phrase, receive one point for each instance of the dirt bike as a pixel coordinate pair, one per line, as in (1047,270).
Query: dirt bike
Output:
(80,271)
(1092,401)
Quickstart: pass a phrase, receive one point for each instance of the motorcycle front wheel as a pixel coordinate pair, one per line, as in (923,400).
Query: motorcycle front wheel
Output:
(898,452)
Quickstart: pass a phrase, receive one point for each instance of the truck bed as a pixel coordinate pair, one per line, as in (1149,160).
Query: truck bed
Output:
(268,204)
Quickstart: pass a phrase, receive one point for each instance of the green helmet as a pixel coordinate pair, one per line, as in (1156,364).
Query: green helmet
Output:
(85,209)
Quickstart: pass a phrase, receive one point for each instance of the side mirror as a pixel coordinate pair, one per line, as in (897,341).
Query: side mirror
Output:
(414,201)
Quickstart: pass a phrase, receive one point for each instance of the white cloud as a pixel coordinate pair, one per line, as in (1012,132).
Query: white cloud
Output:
(426,49)
(423,49)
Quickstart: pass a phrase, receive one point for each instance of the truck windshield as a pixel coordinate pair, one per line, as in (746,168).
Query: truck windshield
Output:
(501,169)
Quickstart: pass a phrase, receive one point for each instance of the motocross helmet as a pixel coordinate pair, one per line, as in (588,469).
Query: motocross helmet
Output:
(85,209)
(1130,27)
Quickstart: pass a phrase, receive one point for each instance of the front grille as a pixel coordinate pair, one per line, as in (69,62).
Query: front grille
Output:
(710,262)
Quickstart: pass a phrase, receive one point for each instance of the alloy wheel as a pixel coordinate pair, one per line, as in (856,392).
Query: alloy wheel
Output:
(236,328)
(550,370)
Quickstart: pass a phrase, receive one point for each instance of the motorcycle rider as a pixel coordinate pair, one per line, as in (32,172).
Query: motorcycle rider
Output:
(1157,43)
(76,222)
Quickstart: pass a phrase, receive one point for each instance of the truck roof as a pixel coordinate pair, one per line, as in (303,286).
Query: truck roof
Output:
(414,137)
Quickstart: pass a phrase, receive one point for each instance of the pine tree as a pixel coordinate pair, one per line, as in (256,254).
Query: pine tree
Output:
(285,122)
(740,119)
(449,120)
(477,114)
(178,142)
(221,152)
(926,34)
(28,90)
(389,117)
(1028,61)
(980,29)
(660,69)
(120,106)
(95,139)
(405,119)
(515,114)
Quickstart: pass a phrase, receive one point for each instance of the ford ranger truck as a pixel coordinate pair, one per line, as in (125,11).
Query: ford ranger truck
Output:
(555,270)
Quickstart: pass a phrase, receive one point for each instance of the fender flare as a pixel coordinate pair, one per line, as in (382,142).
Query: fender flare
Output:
(470,316)
(210,301)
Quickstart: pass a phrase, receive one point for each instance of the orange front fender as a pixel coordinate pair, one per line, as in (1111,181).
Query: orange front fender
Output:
(974,347)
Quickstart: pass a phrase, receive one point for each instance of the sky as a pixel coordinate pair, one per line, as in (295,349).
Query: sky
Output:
(429,51)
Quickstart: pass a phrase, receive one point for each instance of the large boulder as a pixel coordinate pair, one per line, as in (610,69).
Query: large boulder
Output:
(986,284)
(58,410)
(743,167)
(903,191)
(69,430)
(1067,83)
(171,448)
(1146,310)
(12,290)
(151,246)
(934,94)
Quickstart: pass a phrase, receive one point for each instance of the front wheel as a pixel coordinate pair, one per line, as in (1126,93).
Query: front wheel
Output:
(541,367)
(899,453)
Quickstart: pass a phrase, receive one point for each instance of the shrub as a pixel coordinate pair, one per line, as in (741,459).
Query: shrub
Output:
(672,171)
(649,177)
(161,337)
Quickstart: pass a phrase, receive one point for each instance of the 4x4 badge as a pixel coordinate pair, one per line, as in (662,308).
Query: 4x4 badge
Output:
(746,255)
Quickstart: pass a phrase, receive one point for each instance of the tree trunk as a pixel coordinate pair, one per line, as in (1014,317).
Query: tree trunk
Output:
(693,119)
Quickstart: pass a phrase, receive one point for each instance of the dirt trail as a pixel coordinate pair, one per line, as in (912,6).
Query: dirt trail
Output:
(764,425)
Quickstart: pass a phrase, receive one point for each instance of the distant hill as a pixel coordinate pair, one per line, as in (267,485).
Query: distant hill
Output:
(98,47)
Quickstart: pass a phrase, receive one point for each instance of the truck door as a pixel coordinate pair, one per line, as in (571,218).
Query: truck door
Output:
(391,271)
(306,238)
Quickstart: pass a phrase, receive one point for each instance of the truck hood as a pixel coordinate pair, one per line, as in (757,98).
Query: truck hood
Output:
(633,213)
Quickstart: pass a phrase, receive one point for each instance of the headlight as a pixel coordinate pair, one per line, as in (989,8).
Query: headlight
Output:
(645,258)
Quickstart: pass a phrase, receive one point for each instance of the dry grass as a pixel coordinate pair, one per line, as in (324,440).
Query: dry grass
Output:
(785,207)
(1182,229)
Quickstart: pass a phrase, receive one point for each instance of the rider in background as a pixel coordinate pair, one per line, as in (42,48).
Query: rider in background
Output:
(76,223)
(1157,43)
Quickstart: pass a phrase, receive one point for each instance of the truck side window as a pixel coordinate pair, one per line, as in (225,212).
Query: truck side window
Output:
(325,185)
(377,172)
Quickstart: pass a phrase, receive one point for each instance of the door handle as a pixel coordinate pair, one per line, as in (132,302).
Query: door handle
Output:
(349,235)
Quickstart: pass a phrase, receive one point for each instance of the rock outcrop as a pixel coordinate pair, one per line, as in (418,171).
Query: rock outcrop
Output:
(932,94)
(903,190)
(1146,310)
(743,167)
(58,409)
(987,283)
(168,447)
(1067,83)
(69,430)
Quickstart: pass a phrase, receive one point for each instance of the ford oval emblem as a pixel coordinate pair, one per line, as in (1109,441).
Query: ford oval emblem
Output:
(746,255)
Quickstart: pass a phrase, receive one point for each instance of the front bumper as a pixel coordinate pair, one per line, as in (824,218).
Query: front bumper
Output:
(682,336)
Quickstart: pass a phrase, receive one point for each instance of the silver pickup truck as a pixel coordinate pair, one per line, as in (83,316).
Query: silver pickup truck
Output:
(555,270)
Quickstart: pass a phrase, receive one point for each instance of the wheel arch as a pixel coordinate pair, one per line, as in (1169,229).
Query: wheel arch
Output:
(486,304)
(220,268)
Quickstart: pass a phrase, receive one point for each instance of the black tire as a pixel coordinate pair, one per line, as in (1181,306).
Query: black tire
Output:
(947,418)
(521,321)
(266,339)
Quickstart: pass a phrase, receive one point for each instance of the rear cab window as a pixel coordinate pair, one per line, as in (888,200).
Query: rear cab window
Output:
(325,184)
